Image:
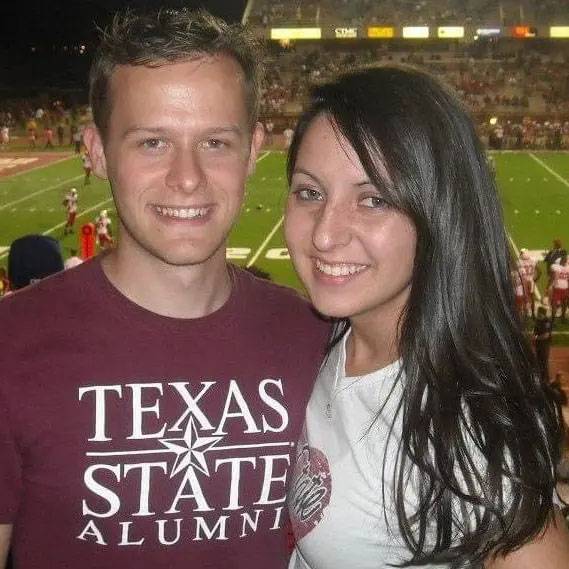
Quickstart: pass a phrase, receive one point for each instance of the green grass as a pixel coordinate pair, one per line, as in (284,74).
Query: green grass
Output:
(528,182)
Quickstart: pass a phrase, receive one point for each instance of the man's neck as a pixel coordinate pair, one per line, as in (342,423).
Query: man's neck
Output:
(175,291)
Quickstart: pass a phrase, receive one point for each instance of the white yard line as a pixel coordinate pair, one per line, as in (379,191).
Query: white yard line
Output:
(263,156)
(265,242)
(550,170)
(62,224)
(36,168)
(28,196)
(273,230)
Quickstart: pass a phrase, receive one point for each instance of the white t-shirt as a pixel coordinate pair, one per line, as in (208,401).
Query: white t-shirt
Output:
(72,262)
(560,276)
(335,498)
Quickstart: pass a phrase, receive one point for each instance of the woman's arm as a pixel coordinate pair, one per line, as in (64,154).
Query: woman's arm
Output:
(550,550)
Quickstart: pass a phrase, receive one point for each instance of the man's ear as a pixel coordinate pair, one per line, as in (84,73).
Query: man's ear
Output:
(256,143)
(94,143)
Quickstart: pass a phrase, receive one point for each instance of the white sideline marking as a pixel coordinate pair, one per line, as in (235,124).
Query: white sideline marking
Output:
(265,242)
(273,230)
(33,194)
(550,170)
(263,156)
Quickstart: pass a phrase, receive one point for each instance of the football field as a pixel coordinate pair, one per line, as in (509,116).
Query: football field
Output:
(534,187)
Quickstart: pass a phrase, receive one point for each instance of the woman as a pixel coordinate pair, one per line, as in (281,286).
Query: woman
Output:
(429,437)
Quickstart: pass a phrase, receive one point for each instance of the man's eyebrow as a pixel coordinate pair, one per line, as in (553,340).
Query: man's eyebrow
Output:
(143,129)
(157,130)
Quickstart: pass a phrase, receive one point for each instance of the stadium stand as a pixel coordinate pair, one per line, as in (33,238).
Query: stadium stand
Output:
(415,12)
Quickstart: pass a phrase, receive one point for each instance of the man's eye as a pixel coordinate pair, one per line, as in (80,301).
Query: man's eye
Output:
(153,143)
(214,143)
(308,194)
(373,202)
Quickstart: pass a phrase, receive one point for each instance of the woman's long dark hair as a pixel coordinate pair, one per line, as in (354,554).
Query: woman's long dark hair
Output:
(479,428)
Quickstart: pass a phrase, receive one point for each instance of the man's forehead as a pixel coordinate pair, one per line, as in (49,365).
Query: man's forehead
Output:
(219,64)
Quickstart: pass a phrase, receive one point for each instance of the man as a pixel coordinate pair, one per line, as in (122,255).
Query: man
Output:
(288,133)
(4,137)
(31,259)
(70,205)
(76,138)
(559,286)
(269,128)
(529,273)
(48,133)
(87,167)
(103,229)
(149,421)
(60,134)
(553,256)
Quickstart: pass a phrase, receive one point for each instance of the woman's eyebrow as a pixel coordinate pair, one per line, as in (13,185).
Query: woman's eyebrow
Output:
(307,173)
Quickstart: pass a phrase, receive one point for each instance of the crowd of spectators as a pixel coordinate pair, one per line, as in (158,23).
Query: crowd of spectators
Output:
(42,122)
(407,12)
(510,85)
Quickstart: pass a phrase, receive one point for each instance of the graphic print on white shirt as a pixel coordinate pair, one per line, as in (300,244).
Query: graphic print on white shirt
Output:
(311,489)
(335,498)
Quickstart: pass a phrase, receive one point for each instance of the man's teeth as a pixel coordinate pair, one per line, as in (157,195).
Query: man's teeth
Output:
(181,212)
(339,269)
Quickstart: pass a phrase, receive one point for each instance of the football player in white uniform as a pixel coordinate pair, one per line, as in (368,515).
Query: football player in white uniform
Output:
(529,273)
(103,228)
(559,286)
(70,204)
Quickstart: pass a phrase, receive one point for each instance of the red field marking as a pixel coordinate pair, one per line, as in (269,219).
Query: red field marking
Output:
(16,162)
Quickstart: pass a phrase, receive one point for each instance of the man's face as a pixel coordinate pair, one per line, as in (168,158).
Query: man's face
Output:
(177,153)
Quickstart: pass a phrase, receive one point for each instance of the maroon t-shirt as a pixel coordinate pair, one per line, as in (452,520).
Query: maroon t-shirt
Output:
(129,439)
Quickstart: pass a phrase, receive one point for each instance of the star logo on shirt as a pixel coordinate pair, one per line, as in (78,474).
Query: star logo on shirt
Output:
(190,449)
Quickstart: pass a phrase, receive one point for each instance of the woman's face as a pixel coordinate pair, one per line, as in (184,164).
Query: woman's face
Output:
(353,253)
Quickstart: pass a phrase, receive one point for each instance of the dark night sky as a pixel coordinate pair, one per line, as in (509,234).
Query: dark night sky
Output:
(60,20)
(48,25)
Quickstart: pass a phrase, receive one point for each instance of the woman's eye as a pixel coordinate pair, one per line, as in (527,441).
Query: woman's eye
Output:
(308,194)
(374,202)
